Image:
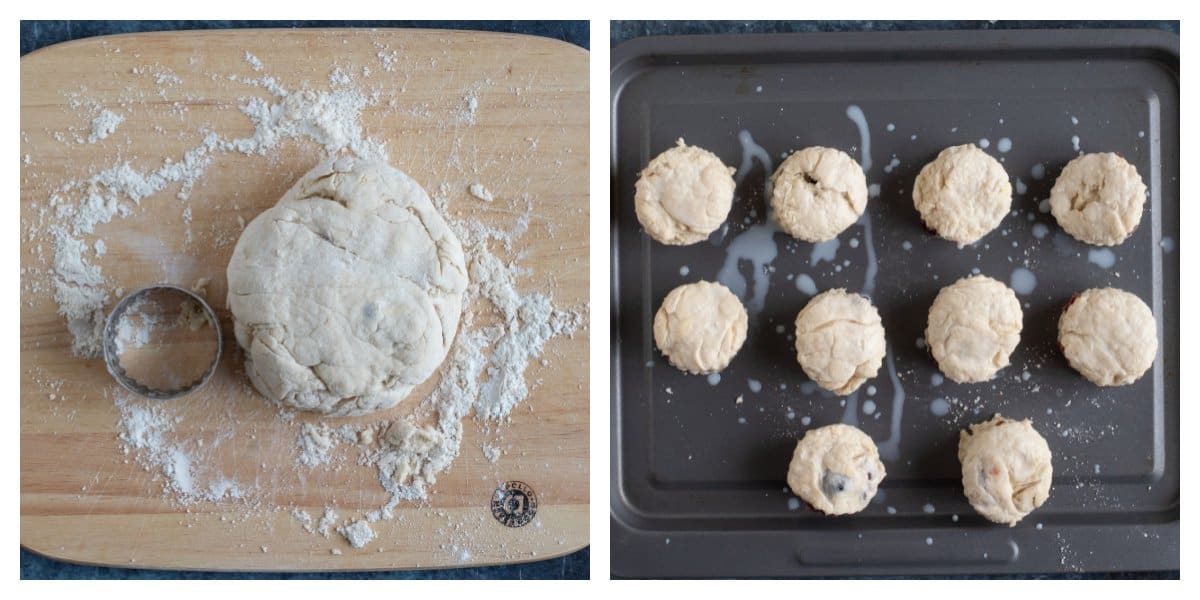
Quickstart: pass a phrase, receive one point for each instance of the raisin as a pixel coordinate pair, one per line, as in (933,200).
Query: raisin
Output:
(1071,301)
(834,483)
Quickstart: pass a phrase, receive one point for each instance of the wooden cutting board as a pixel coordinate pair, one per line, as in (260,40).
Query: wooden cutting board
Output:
(526,139)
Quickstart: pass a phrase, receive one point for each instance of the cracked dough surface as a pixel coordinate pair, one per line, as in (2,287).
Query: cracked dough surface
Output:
(700,327)
(817,193)
(974,326)
(963,194)
(836,469)
(347,293)
(1109,336)
(684,195)
(839,340)
(1098,199)
(1006,468)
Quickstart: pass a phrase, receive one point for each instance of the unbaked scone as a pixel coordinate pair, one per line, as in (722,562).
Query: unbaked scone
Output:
(1098,199)
(347,293)
(700,327)
(1006,468)
(839,340)
(1109,336)
(974,326)
(817,193)
(684,195)
(963,194)
(836,469)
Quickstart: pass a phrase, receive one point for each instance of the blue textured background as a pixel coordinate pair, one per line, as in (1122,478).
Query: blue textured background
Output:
(621,31)
(625,30)
(37,34)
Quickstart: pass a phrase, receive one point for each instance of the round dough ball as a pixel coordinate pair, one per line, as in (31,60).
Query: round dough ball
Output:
(684,195)
(963,194)
(817,193)
(1006,468)
(836,469)
(1098,199)
(1109,336)
(347,293)
(974,326)
(839,340)
(700,327)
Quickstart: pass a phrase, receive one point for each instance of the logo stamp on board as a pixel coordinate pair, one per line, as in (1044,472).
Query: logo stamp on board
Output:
(514,504)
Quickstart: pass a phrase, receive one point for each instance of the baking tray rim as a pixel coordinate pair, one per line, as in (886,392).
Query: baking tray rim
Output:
(629,57)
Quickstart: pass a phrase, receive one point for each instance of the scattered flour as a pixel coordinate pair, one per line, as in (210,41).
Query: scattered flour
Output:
(104,125)
(146,429)
(306,520)
(479,191)
(316,442)
(358,533)
(390,59)
(253,61)
(470,107)
(134,330)
(327,521)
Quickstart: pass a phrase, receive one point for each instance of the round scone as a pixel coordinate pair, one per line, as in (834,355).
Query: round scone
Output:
(1098,199)
(1109,336)
(347,293)
(836,469)
(963,194)
(974,326)
(839,340)
(817,193)
(700,327)
(1006,468)
(684,195)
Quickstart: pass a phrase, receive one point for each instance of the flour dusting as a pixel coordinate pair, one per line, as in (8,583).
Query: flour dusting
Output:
(146,433)
(358,533)
(104,125)
(481,192)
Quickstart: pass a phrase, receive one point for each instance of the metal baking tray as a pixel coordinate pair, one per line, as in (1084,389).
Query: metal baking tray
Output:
(698,478)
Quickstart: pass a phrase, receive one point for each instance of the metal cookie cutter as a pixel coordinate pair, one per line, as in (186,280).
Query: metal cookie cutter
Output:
(112,359)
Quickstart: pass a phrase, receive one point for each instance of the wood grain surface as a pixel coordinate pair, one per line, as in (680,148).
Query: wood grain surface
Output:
(83,499)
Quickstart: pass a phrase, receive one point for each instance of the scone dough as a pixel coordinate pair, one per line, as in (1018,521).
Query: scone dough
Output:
(839,340)
(1006,468)
(684,195)
(974,326)
(817,193)
(963,194)
(700,327)
(1098,199)
(836,469)
(347,293)
(1109,336)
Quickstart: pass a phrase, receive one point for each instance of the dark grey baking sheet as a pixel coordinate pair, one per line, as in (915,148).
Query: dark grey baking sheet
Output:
(698,479)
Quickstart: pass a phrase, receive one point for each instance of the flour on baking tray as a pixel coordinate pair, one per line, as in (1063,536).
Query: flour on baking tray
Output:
(483,376)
